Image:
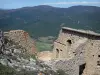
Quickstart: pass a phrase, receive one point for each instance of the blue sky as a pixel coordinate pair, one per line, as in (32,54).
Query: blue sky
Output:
(13,4)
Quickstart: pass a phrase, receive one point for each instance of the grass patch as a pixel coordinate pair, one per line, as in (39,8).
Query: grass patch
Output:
(42,46)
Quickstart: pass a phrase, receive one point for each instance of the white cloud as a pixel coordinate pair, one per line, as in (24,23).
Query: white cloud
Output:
(83,2)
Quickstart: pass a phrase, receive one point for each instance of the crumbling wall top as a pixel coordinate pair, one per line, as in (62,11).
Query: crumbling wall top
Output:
(22,38)
(88,32)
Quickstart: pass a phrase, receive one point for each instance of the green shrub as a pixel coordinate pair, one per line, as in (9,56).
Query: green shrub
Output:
(5,70)
(61,72)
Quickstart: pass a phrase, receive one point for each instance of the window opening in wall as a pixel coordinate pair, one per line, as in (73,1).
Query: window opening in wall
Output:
(74,53)
(98,63)
(57,53)
(81,52)
(92,44)
(69,41)
(98,55)
(81,68)
(60,50)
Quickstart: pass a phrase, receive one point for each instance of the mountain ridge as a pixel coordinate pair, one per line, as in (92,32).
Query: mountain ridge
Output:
(46,20)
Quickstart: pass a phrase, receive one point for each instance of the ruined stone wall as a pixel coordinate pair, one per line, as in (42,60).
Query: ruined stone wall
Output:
(71,66)
(66,44)
(74,50)
(92,57)
(22,38)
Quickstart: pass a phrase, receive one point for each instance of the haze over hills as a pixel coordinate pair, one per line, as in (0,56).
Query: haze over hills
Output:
(45,20)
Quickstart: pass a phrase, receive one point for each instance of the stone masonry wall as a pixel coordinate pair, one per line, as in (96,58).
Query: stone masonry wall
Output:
(71,66)
(66,44)
(92,57)
(22,38)
(73,50)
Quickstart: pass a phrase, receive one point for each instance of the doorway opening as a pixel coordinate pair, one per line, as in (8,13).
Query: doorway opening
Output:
(81,68)
(69,42)
(57,53)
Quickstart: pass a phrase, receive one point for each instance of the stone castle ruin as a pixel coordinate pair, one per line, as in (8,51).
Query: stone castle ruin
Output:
(23,39)
(79,50)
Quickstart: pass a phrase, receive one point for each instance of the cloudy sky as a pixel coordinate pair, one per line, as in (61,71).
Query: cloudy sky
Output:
(13,4)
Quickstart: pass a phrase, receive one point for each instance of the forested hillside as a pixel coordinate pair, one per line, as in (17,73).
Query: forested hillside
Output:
(45,20)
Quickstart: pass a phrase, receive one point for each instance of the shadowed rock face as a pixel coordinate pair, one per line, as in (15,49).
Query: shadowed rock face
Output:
(22,38)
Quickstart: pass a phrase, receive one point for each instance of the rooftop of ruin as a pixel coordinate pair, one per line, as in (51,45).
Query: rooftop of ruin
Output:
(88,32)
